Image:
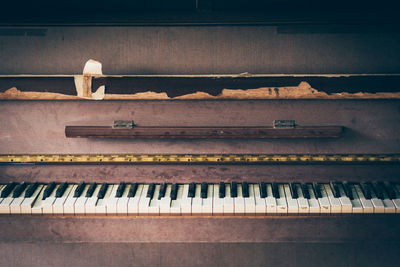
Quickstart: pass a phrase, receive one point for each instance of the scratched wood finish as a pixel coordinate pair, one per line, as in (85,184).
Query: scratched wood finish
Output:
(310,254)
(203,132)
(327,228)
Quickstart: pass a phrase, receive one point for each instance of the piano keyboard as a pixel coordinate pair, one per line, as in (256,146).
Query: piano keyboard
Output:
(244,198)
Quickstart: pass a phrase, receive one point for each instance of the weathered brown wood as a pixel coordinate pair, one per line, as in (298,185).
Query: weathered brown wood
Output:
(327,228)
(203,132)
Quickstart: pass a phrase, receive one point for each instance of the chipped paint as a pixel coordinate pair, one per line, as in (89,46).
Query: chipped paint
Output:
(302,91)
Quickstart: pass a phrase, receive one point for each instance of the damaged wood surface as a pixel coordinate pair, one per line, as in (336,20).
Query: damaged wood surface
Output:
(302,91)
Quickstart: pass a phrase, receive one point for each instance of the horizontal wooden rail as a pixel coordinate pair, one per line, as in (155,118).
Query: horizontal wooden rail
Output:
(203,132)
(200,158)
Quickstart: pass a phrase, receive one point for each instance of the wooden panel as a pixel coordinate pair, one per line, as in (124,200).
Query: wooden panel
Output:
(198,173)
(198,50)
(342,228)
(203,132)
(307,254)
(370,126)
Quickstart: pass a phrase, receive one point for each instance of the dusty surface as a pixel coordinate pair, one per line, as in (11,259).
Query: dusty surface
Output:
(302,91)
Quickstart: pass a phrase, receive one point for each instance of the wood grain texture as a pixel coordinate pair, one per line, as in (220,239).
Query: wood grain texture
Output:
(199,50)
(370,125)
(160,132)
(342,228)
(310,254)
(198,173)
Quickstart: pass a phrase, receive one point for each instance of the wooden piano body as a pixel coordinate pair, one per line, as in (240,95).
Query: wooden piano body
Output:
(34,115)
(31,127)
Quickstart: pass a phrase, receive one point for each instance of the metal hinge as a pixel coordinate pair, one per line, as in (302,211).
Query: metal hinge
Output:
(284,123)
(124,124)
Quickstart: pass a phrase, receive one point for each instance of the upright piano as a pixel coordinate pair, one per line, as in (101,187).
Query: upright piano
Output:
(240,142)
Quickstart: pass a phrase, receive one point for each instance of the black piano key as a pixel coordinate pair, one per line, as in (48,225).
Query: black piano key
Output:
(335,189)
(317,190)
(263,190)
(204,189)
(150,191)
(163,188)
(31,189)
(49,189)
(233,189)
(348,191)
(293,190)
(390,187)
(381,190)
(174,191)
(378,190)
(306,192)
(275,190)
(133,189)
(120,189)
(7,190)
(366,189)
(19,189)
(245,190)
(79,189)
(102,191)
(91,189)
(61,190)
(221,192)
(192,189)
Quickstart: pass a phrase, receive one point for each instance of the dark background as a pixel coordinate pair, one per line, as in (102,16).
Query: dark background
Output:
(196,11)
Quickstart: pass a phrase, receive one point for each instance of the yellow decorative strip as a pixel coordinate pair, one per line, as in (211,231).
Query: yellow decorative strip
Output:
(199,158)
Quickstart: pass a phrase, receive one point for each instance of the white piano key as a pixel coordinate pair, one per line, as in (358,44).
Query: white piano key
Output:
(90,205)
(144,201)
(229,204)
(281,204)
(58,205)
(250,202)
(165,202)
(70,202)
(37,204)
(101,204)
(336,206)
(355,202)
(293,206)
(389,206)
(112,200)
(396,203)
(366,203)
(260,204)
(323,201)
(347,207)
(80,203)
(313,201)
(47,204)
(175,208)
(133,203)
(122,203)
(186,202)
(154,205)
(207,203)
(6,202)
(301,201)
(270,201)
(304,206)
(197,201)
(218,203)
(239,201)
(378,205)
(15,206)
(26,205)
